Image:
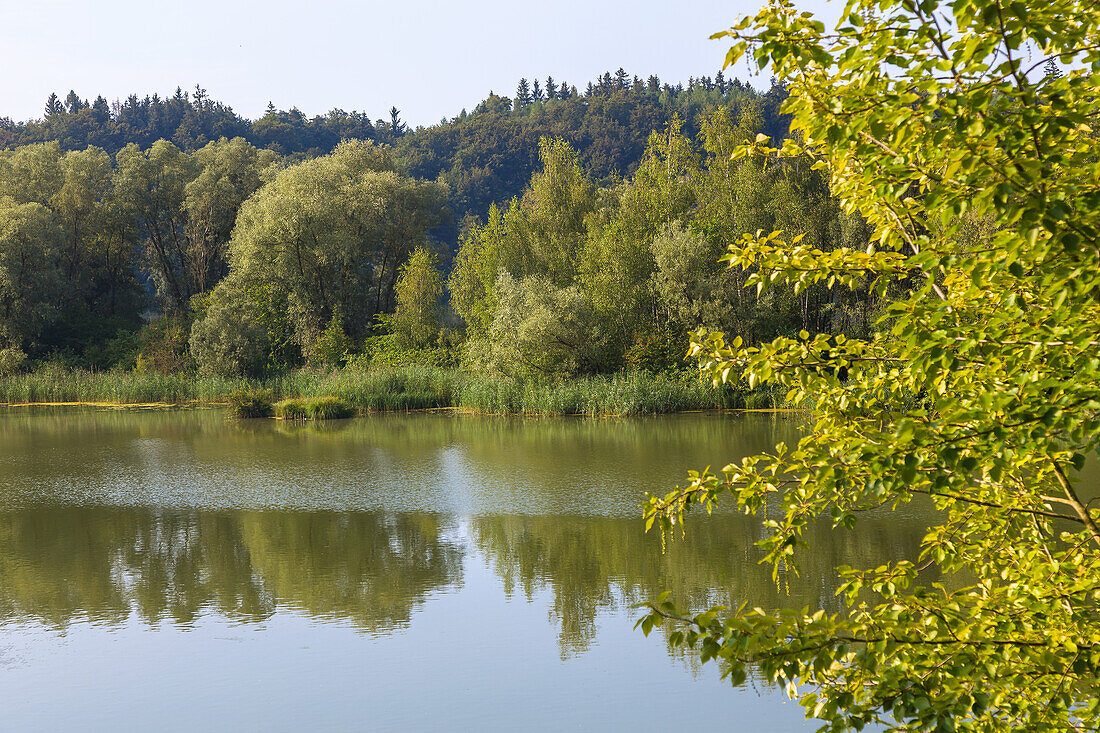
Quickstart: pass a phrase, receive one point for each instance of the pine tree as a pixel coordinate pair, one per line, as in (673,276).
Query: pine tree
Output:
(101,112)
(53,106)
(523,94)
(74,103)
(551,88)
(397,127)
(536,91)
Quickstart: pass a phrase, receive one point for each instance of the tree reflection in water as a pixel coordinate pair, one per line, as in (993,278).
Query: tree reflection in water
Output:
(60,565)
(594,564)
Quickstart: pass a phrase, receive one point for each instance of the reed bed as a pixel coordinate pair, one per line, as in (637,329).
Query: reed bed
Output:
(54,384)
(408,387)
(637,393)
(327,407)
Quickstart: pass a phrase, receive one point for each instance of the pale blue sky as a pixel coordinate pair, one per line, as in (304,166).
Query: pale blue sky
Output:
(431,59)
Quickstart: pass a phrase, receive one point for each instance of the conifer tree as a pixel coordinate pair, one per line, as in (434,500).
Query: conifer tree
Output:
(523,94)
(53,106)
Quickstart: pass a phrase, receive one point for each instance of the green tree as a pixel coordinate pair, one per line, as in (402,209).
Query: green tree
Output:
(416,319)
(979,392)
(540,329)
(325,239)
(231,170)
(151,188)
(29,282)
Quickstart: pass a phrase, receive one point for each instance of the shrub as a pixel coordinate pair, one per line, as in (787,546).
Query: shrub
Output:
(246,403)
(11,360)
(229,339)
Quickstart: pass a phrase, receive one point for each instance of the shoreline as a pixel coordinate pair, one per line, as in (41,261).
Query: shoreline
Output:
(453,409)
(411,387)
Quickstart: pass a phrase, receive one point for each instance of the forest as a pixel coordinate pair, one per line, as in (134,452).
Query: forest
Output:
(552,234)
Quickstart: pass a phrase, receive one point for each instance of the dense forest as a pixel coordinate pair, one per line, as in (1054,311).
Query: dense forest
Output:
(555,232)
(484,156)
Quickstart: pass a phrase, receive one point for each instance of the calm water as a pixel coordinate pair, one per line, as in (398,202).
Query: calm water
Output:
(178,571)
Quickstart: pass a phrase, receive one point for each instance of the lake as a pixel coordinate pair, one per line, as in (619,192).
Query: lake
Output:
(175,570)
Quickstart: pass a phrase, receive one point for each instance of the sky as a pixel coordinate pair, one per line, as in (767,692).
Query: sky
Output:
(430,59)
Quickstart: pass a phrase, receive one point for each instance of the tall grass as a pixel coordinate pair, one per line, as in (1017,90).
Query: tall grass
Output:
(314,408)
(409,387)
(637,393)
(246,403)
(57,384)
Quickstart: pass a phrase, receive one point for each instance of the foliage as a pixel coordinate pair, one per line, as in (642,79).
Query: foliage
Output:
(250,403)
(540,328)
(977,392)
(87,233)
(417,317)
(638,262)
(484,156)
(11,360)
(323,241)
(231,338)
(332,347)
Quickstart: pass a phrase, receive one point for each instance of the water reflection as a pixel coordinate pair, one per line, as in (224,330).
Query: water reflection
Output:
(60,565)
(167,516)
(600,564)
(427,463)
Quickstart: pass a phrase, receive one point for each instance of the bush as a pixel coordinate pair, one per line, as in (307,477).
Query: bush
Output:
(229,339)
(248,403)
(331,347)
(11,360)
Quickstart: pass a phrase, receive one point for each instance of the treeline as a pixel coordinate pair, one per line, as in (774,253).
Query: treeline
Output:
(484,156)
(235,260)
(91,246)
(573,278)
(89,242)
(569,279)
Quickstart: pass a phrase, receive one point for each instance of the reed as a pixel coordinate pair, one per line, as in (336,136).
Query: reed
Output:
(634,393)
(327,407)
(389,388)
(57,384)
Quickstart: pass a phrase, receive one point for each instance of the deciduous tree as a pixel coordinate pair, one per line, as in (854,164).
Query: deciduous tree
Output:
(979,392)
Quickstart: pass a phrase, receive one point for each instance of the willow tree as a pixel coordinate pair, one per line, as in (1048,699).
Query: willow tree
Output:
(979,392)
(320,245)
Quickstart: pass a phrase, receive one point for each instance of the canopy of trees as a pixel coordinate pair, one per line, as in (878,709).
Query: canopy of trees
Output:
(484,156)
(322,244)
(84,237)
(571,278)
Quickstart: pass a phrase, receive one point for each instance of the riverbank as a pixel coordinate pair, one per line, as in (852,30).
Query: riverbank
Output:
(411,387)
